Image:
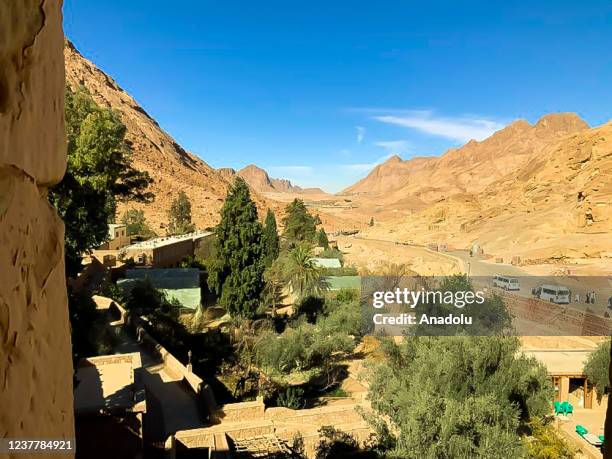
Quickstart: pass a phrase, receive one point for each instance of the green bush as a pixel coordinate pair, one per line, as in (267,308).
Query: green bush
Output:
(301,348)
(545,442)
(459,396)
(292,397)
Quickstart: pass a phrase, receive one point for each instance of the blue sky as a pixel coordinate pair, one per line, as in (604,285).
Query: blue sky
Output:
(320,91)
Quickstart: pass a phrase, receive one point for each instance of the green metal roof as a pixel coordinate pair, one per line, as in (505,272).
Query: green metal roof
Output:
(339,282)
(180,283)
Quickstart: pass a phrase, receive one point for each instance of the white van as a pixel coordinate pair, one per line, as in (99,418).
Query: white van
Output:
(557,294)
(506,282)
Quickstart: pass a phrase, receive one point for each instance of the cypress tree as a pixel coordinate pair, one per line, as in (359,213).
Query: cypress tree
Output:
(270,239)
(300,226)
(322,240)
(236,270)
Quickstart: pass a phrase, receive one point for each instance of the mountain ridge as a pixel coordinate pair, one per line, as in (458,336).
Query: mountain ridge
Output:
(172,168)
(514,143)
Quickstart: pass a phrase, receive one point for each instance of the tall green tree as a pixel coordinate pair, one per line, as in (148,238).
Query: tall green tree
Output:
(270,239)
(459,396)
(98,174)
(180,215)
(237,267)
(322,240)
(597,368)
(136,223)
(299,223)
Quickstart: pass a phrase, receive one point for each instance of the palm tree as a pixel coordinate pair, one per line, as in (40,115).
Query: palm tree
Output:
(303,276)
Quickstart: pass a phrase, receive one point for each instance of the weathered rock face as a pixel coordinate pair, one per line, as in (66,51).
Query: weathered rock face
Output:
(35,350)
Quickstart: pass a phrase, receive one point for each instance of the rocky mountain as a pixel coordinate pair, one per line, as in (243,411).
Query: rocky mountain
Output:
(544,194)
(259,180)
(470,168)
(171,167)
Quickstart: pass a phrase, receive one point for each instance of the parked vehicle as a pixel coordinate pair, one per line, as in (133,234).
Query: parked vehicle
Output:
(557,294)
(506,282)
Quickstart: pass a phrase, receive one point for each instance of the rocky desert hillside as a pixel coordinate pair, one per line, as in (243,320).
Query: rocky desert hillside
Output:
(469,168)
(542,192)
(259,180)
(171,167)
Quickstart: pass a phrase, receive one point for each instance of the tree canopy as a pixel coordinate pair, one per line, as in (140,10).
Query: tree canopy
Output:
(237,266)
(459,396)
(270,239)
(136,223)
(302,275)
(180,215)
(98,174)
(597,368)
(300,225)
(322,240)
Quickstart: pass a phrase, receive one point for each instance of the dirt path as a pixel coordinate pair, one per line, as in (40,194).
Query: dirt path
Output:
(171,406)
(374,253)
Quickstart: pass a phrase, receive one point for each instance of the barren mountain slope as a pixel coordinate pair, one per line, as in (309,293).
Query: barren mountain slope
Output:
(172,168)
(261,182)
(468,169)
(556,205)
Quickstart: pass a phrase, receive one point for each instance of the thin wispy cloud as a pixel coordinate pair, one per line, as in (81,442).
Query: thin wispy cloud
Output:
(460,129)
(396,147)
(361,131)
(291,170)
(332,177)
(363,167)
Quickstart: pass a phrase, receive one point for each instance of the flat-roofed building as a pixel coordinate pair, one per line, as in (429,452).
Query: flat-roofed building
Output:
(564,358)
(165,252)
(342,282)
(327,262)
(117,237)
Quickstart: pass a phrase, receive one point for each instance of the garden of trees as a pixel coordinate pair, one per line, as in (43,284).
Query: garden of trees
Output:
(289,336)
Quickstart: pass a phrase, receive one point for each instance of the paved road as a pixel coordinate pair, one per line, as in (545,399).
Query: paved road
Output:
(477,267)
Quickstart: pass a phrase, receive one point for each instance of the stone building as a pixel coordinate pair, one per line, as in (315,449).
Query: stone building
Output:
(165,252)
(117,237)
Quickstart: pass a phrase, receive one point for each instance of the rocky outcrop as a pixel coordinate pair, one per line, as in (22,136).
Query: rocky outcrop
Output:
(172,168)
(35,350)
(259,180)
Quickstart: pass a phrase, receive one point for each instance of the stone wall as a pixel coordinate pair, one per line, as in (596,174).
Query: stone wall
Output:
(563,319)
(35,350)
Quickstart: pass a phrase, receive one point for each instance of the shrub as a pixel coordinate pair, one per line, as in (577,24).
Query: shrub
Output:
(546,443)
(292,397)
(597,368)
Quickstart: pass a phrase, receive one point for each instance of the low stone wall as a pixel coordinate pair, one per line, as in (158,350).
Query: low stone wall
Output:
(203,438)
(567,320)
(249,420)
(119,312)
(238,412)
(174,367)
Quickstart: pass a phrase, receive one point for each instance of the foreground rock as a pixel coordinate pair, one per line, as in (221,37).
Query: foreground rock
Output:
(35,354)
